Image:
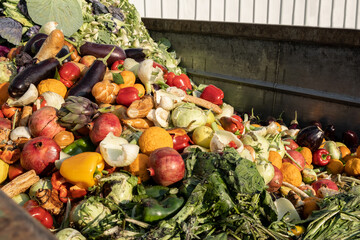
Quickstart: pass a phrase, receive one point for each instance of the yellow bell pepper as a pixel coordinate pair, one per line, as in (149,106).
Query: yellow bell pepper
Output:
(4,170)
(80,169)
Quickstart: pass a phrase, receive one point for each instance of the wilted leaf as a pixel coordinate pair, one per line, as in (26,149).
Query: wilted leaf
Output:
(10,30)
(67,13)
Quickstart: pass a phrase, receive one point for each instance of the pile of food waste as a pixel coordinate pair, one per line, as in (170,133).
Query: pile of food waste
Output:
(108,138)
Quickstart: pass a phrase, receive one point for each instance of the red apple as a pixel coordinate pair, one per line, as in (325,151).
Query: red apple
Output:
(297,156)
(290,144)
(40,154)
(105,123)
(327,183)
(276,181)
(15,170)
(43,122)
(166,166)
(5,123)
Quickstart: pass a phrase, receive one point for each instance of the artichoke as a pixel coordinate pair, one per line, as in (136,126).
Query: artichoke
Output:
(76,112)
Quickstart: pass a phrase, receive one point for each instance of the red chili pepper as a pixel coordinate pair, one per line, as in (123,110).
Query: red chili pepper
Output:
(69,73)
(1,114)
(155,64)
(39,103)
(213,94)
(180,139)
(233,144)
(237,117)
(66,190)
(233,125)
(180,142)
(169,78)
(127,95)
(118,65)
(182,81)
(321,157)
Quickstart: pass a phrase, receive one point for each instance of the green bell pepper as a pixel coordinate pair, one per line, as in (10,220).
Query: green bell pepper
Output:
(80,145)
(156,191)
(155,210)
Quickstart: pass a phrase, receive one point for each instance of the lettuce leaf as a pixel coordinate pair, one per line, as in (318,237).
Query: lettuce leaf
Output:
(67,13)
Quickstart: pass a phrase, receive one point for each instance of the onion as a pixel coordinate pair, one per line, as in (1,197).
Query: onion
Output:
(20,132)
(117,152)
(53,99)
(29,97)
(166,166)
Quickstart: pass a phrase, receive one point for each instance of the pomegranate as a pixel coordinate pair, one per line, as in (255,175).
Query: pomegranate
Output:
(43,122)
(166,166)
(105,123)
(324,183)
(40,154)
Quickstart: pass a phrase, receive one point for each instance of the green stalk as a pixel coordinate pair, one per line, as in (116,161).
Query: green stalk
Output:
(293,160)
(313,231)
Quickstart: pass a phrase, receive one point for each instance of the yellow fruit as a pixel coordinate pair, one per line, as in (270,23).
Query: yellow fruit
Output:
(52,85)
(352,167)
(358,151)
(275,159)
(335,166)
(154,138)
(306,152)
(4,170)
(291,174)
(344,151)
(139,168)
(298,230)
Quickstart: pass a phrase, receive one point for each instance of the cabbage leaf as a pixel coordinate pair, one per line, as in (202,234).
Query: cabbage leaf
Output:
(67,13)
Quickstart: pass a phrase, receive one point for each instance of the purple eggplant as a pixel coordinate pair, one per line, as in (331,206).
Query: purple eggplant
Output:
(29,45)
(99,50)
(350,139)
(135,53)
(316,123)
(329,132)
(294,124)
(92,76)
(32,75)
(311,137)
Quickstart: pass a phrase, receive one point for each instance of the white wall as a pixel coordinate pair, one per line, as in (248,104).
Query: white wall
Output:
(321,13)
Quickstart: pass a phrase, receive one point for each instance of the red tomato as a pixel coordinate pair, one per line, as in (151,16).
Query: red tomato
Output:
(43,216)
(127,95)
(30,204)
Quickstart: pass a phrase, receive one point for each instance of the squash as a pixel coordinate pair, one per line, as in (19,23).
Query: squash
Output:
(4,95)
(105,91)
(52,45)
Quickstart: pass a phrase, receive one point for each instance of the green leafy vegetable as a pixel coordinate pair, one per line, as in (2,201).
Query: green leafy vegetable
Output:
(67,13)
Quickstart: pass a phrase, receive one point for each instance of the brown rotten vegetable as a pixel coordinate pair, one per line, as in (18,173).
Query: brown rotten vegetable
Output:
(52,45)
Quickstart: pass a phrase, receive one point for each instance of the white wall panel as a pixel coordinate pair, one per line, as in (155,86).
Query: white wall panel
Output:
(313,13)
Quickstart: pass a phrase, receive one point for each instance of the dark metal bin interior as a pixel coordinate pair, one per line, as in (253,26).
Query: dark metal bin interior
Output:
(273,69)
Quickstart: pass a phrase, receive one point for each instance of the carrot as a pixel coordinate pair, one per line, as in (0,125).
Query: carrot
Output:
(52,45)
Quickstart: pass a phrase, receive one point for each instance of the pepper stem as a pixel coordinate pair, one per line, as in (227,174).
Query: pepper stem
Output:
(64,57)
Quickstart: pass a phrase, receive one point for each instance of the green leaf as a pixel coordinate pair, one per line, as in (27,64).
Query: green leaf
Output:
(67,13)
(57,75)
(117,78)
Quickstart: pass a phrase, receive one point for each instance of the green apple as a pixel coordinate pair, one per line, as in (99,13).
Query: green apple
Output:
(202,136)
(21,198)
(210,118)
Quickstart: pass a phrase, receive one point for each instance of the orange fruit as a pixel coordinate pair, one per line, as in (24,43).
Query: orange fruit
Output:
(335,166)
(275,159)
(291,174)
(344,151)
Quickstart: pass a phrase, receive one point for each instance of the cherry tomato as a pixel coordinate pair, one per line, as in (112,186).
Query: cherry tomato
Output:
(127,95)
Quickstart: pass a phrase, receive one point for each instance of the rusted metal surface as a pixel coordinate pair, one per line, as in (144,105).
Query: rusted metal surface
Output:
(16,224)
(273,69)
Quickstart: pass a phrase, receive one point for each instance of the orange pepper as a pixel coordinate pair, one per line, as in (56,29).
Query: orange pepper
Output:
(129,79)
(140,88)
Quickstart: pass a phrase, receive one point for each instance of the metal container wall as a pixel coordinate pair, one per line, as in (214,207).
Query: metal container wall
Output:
(273,69)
